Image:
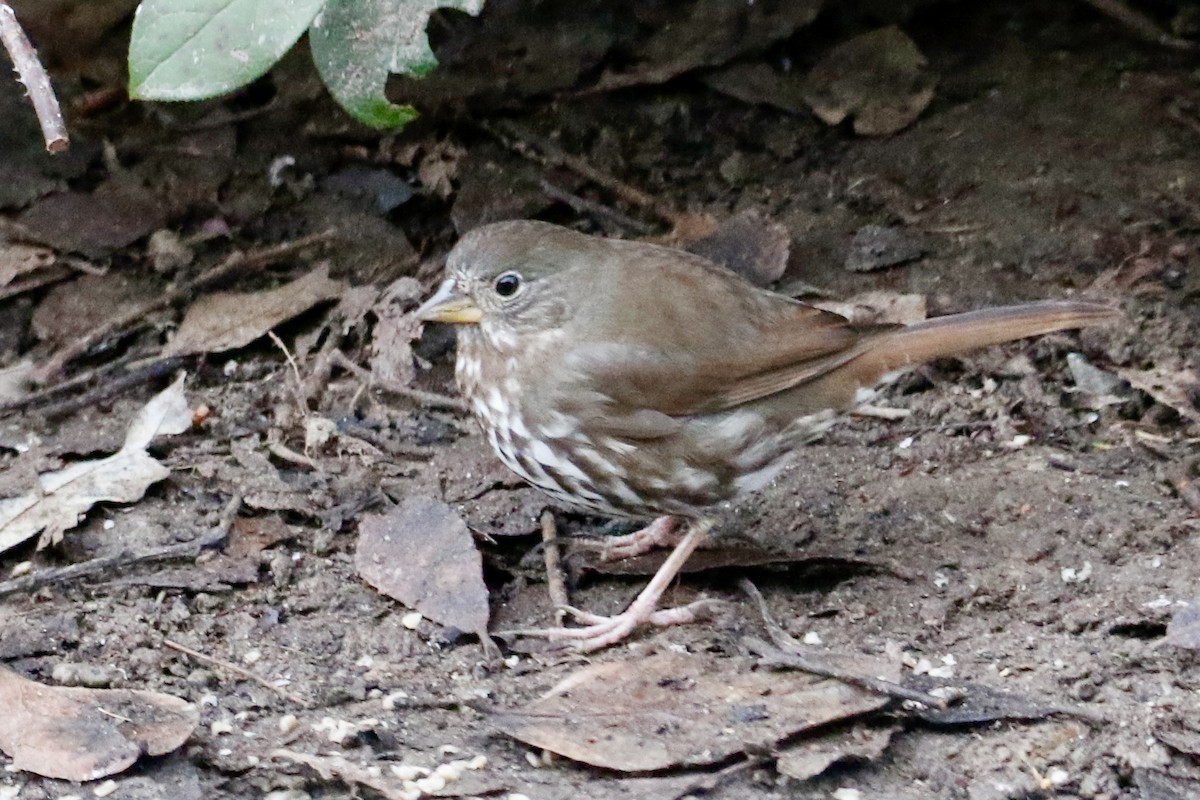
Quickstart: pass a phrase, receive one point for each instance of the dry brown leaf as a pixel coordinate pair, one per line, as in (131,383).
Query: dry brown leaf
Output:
(878,307)
(392,338)
(751,244)
(422,554)
(809,758)
(879,78)
(62,497)
(228,320)
(21,259)
(679,710)
(80,734)
(1178,389)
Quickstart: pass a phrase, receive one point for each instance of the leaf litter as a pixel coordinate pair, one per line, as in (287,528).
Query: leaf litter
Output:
(64,496)
(81,734)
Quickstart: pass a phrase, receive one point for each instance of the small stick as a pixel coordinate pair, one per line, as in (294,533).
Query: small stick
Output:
(109,389)
(555,583)
(235,669)
(1140,24)
(44,277)
(431,399)
(218,534)
(31,73)
(584,206)
(233,264)
(522,140)
(786,653)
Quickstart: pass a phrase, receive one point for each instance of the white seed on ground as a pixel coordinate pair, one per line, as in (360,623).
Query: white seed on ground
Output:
(392,700)
(408,772)
(812,637)
(431,784)
(288,723)
(221,727)
(449,772)
(412,620)
(478,762)
(105,789)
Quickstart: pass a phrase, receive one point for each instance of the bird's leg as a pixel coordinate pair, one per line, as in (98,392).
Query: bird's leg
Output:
(662,532)
(603,631)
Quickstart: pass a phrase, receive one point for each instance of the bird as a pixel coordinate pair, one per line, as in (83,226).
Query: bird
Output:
(639,381)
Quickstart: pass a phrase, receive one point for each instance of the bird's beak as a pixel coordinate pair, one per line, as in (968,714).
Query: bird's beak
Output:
(448,306)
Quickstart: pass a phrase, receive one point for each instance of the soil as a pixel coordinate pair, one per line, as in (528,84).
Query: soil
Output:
(1006,530)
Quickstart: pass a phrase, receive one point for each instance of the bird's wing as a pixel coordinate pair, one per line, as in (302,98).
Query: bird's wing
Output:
(711,368)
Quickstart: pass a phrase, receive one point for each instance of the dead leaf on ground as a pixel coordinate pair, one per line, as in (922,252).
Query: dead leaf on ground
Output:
(751,244)
(116,214)
(981,704)
(80,734)
(678,710)
(1175,388)
(878,307)
(809,758)
(422,554)
(229,320)
(62,497)
(878,78)
(75,307)
(394,333)
(21,259)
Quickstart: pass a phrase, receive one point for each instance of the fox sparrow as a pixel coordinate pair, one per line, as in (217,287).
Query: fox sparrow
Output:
(640,381)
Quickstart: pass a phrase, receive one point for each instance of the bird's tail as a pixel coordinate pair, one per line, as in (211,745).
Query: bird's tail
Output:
(957,334)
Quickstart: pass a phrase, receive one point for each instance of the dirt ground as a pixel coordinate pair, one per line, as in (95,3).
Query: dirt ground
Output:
(1010,533)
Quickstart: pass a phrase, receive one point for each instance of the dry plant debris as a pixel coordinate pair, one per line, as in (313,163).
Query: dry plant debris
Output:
(229,320)
(63,496)
(422,554)
(80,734)
(679,710)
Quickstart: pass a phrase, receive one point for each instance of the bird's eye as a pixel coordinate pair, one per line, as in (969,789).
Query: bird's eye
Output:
(508,284)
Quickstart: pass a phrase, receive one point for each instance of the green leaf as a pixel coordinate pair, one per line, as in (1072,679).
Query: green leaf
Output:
(357,43)
(193,49)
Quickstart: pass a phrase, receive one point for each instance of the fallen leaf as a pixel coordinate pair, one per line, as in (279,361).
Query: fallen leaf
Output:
(981,704)
(394,333)
(809,758)
(62,497)
(422,554)
(878,78)
(749,243)
(21,259)
(116,214)
(229,320)
(878,307)
(678,710)
(80,734)
(1175,388)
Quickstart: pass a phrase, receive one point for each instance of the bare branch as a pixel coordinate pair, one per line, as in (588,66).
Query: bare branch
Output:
(37,82)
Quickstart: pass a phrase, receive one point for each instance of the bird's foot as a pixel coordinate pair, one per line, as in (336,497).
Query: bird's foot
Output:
(662,532)
(600,631)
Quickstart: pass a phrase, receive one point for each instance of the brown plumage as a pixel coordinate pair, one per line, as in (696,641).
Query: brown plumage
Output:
(638,380)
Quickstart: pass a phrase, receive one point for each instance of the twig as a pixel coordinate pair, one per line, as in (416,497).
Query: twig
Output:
(111,388)
(431,399)
(786,653)
(212,661)
(31,73)
(584,206)
(233,264)
(555,584)
(43,396)
(1140,24)
(525,142)
(29,583)
(44,277)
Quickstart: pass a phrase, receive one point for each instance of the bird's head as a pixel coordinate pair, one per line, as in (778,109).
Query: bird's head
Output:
(509,278)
